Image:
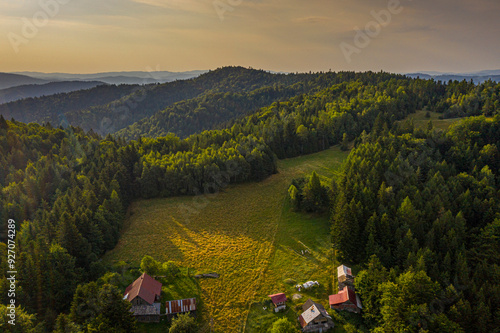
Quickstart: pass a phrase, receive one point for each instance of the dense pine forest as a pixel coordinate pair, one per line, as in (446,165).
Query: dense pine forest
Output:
(418,210)
(421,209)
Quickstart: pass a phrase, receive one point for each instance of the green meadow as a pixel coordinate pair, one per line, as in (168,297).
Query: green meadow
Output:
(420,120)
(249,235)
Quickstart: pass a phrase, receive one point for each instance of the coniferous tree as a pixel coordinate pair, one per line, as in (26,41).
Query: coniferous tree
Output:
(3,123)
(315,196)
(367,285)
(293,194)
(345,142)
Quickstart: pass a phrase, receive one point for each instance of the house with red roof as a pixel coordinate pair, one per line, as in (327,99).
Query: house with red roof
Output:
(346,300)
(144,294)
(279,301)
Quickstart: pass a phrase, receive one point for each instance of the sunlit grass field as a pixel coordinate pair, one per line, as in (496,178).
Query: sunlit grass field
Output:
(247,233)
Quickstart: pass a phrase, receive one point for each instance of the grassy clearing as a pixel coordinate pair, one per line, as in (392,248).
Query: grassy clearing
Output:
(262,313)
(247,234)
(420,120)
(290,264)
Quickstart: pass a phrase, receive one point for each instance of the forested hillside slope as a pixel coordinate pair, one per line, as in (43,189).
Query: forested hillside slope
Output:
(421,210)
(107,109)
(315,94)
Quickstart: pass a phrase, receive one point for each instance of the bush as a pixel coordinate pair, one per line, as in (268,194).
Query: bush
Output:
(155,268)
(170,269)
(150,266)
(183,323)
(283,326)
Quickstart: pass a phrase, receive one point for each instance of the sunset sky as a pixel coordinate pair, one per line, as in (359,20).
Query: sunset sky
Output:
(85,36)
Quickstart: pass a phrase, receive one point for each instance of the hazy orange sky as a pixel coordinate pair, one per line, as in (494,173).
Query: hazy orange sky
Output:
(84,36)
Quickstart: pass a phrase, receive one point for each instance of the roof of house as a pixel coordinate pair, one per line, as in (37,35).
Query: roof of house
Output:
(343,270)
(180,306)
(311,311)
(145,287)
(309,315)
(310,303)
(346,294)
(278,298)
(307,304)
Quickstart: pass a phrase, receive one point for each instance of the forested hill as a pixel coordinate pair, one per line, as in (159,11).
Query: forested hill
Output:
(224,95)
(420,210)
(323,94)
(180,107)
(237,97)
(106,109)
(151,99)
(68,188)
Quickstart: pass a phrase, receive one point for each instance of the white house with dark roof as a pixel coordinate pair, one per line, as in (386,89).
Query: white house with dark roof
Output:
(315,318)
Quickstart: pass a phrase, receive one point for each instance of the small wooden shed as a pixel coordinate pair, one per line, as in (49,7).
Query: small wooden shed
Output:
(173,308)
(279,301)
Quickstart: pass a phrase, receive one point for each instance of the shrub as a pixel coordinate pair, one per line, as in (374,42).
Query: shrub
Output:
(183,323)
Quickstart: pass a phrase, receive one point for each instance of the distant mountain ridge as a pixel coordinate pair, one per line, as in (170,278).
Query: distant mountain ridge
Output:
(54,108)
(8,80)
(477,77)
(477,73)
(36,84)
(46,89)
(134,77)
